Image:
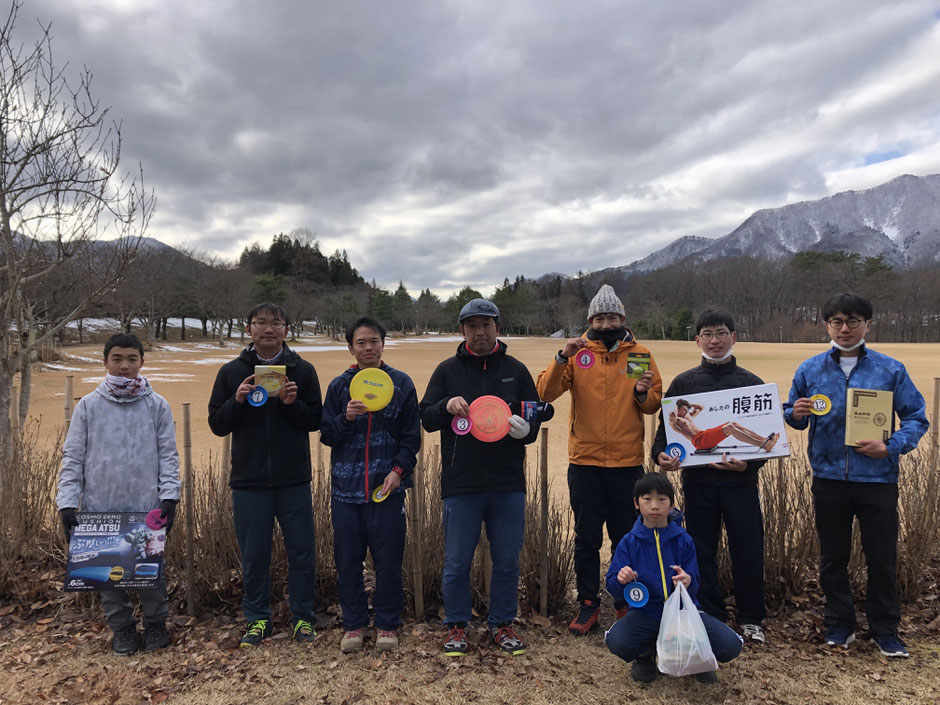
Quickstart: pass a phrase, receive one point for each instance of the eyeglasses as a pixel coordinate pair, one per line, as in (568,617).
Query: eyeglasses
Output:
(276,325)
(708,335)
(837,323)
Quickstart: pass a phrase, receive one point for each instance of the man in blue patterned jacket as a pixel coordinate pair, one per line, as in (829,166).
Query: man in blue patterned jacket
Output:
(861,481)
(370,450)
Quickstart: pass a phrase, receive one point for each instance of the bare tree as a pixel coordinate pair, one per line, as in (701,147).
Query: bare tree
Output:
(60,194)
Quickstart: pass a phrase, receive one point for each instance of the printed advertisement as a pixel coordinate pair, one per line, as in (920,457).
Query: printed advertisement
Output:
(114,551)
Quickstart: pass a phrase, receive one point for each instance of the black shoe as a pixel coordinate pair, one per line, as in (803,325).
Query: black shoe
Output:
(707,677)
(303,632)
(643,670)
(156,636)
(125,641)
(257,630)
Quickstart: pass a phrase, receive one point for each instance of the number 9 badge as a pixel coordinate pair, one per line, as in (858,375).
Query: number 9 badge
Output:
(636,594)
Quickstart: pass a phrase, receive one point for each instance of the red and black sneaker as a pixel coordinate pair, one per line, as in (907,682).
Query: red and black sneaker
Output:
(456,644)
(586,620)
(621,609)
(507,640)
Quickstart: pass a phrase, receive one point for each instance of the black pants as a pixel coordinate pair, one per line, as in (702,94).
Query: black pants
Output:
(598,496)
(875,504)
(706,506)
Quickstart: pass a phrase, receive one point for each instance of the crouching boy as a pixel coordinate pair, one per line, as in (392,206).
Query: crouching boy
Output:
(120,456)
(659,554)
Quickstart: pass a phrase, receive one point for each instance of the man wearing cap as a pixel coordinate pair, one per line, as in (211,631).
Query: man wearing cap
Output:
(481,482)
(613,382)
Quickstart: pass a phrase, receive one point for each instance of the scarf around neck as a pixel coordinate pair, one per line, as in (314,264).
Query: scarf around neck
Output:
(126,388)
(610,337)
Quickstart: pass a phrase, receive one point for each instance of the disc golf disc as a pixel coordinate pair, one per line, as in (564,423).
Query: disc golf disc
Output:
(373,387)
(377,495)
(490,417)
(584,359)
(155,520)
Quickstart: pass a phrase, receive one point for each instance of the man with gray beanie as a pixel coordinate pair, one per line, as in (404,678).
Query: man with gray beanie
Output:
(613,382)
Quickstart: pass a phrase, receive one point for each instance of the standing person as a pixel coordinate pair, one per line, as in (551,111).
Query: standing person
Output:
(481,483)
(725,491)
(859,482)
(370,450)
(270,470)
(120,456)
(605,443)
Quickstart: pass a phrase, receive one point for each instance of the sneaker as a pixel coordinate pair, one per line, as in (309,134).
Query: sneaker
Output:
(156,636)
(303,632)
(840,637)
(643,670)
(456,644)
(621,610)
(386,640)
(125,641)
(586,620)
(257,630)
(753,632)
(891,646)
(351,641)
(507,640)
(707,677)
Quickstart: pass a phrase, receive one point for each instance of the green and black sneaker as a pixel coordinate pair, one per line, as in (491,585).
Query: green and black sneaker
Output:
(257,630)
(303,632)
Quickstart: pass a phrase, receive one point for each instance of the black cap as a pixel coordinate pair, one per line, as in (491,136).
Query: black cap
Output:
(478,307)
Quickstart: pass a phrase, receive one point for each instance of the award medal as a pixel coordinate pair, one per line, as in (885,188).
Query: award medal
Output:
(821,404)
(584,359)
(461,425)
(636,594)
(258,396)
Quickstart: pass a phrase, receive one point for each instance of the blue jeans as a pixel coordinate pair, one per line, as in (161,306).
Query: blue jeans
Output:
(635,635)
(380,527)
(503,513)
(254,512)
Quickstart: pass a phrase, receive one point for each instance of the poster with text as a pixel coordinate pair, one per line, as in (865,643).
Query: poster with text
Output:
(114,551)
(745,423)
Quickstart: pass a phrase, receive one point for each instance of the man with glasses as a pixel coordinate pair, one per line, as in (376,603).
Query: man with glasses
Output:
(856,482)
(270,475)
(613,382)
(726,491)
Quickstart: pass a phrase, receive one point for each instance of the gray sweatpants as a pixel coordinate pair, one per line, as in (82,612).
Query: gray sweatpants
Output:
(119,610)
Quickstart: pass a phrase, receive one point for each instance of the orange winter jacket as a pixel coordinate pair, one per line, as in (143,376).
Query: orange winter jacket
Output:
(606,427)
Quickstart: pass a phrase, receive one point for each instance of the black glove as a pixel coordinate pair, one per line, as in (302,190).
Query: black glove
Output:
(168,512)
(540,411)
(69,521)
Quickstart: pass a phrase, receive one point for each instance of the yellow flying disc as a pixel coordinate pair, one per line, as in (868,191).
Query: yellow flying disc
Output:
(373,387)
(821,404)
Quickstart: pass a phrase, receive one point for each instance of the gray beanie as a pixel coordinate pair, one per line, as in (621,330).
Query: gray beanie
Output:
(605,301)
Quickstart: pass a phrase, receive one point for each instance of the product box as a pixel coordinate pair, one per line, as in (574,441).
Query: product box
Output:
(271,377)
(114,551)
(869,415)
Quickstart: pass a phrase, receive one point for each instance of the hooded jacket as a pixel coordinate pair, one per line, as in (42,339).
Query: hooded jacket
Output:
(828,455)
(606,425)
(270,443)
(119,454)
(709,377)
(366,449)
(470,465)
(638,549)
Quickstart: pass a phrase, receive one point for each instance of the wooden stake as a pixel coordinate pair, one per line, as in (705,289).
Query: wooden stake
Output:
(417,531)
(543,533)
(190,514)
(69,380)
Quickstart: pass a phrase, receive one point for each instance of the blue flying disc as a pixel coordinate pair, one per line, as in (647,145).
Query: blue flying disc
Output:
(258,396)
(676,450)
(636,594)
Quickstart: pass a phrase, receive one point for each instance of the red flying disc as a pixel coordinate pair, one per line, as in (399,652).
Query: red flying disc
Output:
(155,520)
(490,416)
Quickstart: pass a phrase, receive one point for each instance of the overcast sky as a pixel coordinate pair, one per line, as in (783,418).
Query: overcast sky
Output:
(453,143)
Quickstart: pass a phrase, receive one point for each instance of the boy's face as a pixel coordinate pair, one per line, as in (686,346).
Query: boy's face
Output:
(607,321)
(124,362)
(840,328)
(716,341)
(367,347)
(654,508)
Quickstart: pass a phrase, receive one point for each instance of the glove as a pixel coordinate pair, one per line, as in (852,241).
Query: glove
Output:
(69,521)
(518,427)
(168,512)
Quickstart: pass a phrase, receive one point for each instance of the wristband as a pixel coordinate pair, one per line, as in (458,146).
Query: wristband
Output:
(561,359)
(399,471)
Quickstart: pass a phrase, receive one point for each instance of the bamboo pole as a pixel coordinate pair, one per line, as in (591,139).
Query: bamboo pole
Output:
(190,514)
(320,465)
(543,534)
(69,391)
(225,466)
(417,522)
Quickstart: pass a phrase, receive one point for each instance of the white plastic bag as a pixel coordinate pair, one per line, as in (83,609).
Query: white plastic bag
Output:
(682,648)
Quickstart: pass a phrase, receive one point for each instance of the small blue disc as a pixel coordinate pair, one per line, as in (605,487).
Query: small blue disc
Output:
(258,396)
(676,450)
(636,594)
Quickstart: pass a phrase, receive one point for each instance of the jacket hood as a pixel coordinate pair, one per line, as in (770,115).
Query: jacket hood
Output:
(720,368)
(103,390)
(462,351)
(249,356)
(672,528)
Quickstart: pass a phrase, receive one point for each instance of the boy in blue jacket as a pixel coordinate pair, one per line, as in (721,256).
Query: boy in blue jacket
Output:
(370,450)
(857,482)
(657,544)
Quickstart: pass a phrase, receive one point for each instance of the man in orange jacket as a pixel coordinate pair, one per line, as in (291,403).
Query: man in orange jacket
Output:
(613,382)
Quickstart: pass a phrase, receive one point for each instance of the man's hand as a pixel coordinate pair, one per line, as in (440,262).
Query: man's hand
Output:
(802,407)
(644,383)
(458,406)
(69,521)
(392,482)
(288,393)
(873,449)
(168,512)
(681,576)
(667,462)
(244,389)
(518,427)
(572,346)
(355,408)
(729,463)
(626,575)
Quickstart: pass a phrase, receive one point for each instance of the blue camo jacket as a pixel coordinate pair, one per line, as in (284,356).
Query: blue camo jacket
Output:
(830,458)
(365,450)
